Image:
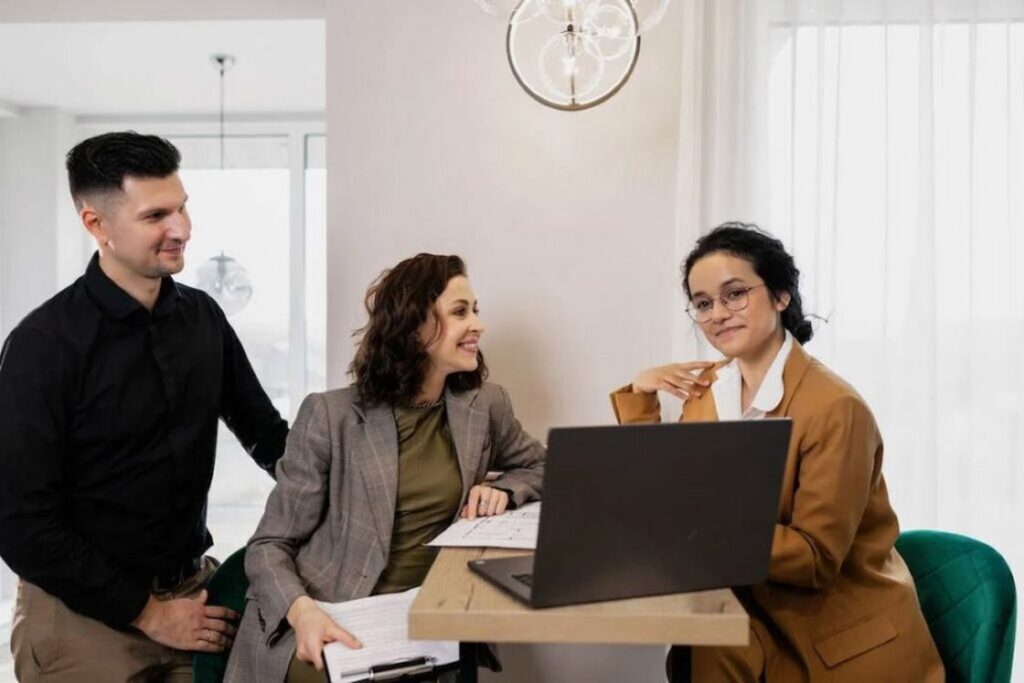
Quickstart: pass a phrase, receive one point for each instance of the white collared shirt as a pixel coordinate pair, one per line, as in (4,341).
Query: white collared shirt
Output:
(728,388)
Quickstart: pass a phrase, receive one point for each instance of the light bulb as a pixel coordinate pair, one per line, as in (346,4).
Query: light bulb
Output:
(568,69)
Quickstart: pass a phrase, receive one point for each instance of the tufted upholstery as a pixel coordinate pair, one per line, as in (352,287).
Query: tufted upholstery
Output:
(968,598)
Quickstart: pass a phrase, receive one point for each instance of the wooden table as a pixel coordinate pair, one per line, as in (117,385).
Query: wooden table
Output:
(455,604)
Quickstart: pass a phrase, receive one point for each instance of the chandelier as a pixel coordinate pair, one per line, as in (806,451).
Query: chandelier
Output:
(222,277)
(574,54)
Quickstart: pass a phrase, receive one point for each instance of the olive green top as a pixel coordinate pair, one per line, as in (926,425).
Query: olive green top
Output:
(429,492)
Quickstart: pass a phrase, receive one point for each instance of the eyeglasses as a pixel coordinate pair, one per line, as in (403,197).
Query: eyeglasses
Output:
(734,299)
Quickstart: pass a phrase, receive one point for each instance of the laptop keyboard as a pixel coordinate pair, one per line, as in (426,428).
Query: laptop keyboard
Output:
(525,579)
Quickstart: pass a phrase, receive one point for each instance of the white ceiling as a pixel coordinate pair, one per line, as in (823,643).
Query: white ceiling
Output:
(159,10)
(163,67)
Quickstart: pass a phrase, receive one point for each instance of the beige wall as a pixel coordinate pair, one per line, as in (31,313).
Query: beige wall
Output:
(566,220)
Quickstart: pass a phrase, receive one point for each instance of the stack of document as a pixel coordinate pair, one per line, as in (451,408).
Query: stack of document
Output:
(515,529)
(381,624)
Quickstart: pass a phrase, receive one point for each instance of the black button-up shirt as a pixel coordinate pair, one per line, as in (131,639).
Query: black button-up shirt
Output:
(108,428)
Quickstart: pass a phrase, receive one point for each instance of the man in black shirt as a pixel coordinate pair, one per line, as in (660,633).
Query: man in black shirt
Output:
(110,394)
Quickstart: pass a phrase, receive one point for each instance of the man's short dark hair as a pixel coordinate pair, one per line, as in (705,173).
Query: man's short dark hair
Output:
(100,164)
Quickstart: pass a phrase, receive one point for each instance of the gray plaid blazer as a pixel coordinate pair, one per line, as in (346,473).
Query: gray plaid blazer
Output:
(326,530)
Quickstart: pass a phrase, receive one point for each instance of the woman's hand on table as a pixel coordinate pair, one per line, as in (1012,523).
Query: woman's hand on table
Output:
(484,501)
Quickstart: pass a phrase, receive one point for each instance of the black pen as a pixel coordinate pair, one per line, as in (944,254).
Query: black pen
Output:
(404,667)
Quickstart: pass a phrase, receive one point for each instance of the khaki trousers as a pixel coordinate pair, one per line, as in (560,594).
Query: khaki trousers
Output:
(53,644)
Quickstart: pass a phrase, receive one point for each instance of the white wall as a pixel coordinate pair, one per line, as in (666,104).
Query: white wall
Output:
(40,238)
(566,220)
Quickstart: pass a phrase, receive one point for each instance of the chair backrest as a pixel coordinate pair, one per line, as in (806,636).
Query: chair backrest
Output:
(969,600)
(227,587)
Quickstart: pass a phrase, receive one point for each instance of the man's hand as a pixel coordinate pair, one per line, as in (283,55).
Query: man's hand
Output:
(313,628)
(187,624)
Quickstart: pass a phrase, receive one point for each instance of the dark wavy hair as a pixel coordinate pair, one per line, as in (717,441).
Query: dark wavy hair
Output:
(391,361)
(771,262)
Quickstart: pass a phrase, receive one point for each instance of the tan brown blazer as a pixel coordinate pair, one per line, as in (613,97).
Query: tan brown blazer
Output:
(839,601)
(326,530)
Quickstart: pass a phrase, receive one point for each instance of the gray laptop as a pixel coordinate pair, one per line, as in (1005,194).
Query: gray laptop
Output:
(639,510)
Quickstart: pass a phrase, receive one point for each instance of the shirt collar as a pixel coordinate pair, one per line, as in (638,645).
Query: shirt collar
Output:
(770,393)
(119,304)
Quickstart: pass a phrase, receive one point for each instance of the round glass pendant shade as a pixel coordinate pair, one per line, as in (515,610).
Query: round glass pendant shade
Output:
(226,281)
(572,54)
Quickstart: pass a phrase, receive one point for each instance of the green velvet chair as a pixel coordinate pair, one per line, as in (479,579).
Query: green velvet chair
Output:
(968,598)
(227,587)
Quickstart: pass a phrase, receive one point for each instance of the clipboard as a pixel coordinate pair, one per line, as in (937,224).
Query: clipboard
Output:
(381,623)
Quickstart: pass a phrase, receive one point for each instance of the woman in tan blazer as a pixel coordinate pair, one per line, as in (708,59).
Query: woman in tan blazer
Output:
(374,471)
(839,603)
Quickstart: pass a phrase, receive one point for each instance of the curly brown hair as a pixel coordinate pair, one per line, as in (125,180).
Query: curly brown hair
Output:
(391,361)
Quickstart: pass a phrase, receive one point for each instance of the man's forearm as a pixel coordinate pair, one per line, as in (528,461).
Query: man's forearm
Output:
(63,565)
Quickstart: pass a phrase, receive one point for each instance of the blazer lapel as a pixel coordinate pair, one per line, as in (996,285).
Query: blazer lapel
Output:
(377,457)
(703,409)
(468,427)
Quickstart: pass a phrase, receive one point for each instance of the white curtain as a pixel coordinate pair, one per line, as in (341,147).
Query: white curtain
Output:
(884,143)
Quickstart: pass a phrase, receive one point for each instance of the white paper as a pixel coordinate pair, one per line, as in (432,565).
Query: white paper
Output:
(515,529)
(381,624)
